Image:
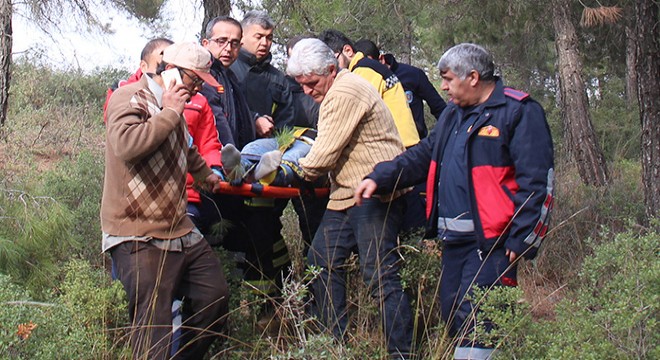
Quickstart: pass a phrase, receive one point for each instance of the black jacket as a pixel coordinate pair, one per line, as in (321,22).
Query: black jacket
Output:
(306,109)
(266,88)
(233,119)
(418,88)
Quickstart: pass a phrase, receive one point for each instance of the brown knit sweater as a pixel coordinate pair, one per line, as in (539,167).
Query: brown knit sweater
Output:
(146,160)
(355,132)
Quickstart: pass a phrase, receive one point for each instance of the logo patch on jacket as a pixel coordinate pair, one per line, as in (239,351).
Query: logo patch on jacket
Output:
(409,96)
(489,131)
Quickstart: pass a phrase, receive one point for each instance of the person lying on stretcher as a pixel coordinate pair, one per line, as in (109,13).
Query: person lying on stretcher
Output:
(269,161)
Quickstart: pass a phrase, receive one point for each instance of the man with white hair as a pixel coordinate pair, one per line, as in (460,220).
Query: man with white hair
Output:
(355,132)
(489,171)
(159,254)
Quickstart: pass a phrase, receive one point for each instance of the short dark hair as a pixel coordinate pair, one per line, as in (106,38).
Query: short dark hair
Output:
(335,39)
(160,67)
(389,58)
(368,48)
(208,31)
(152,45)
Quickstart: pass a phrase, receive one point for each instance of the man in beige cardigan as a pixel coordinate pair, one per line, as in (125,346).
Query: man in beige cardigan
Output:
(355,132)
(159,253)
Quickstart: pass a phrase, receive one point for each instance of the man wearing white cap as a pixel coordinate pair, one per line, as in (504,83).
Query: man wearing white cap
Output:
(159,253)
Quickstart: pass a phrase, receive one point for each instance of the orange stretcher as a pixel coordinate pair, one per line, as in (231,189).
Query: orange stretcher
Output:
(267,191)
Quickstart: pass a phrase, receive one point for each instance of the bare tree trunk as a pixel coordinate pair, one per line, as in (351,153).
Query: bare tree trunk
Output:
(648,83)
(631,60)
(5,56)
(212,9)
(581,140)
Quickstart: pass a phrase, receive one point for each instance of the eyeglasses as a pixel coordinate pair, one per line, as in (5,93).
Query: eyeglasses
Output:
(222,42)
(197,81)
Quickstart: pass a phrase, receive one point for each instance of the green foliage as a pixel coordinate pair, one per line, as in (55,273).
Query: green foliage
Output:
(148,10)
(613,313)
(581,211)
(37,87)
(617,122)
(73,325)
(506,310)
(77,184)
(35,239)
(420,278)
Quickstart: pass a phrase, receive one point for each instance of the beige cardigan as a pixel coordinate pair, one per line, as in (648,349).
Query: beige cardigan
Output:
(356,131)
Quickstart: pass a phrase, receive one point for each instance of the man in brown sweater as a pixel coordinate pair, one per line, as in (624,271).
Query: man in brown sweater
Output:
(159,253)
(355,132)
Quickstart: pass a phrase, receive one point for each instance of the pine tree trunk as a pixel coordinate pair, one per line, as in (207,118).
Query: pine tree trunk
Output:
(631,72)
(648,83)
(5,56)
(580,136)
(213,9)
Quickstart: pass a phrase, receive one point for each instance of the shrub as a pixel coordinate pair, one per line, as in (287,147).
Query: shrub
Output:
(78,185)
(35,239)
(611,315)
(582,211)
(73,325)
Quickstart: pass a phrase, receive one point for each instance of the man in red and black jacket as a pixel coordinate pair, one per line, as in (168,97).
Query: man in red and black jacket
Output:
(489,170)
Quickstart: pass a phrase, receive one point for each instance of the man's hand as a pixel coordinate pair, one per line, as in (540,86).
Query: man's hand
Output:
(264,126)
(176,97)
(364,190)
(512,255)
(213,182)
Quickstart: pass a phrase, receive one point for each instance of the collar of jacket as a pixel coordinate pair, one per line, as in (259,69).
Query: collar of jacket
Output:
(357,57)
(497,97)
(217,68)
(251,59)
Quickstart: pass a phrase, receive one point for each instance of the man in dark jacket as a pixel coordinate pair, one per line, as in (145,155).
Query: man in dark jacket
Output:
(235,123)
(269,99)
(489,170)
(265,87)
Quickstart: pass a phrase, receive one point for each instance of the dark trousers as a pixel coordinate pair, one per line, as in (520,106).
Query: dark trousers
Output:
(253,230)
(153,278)
(414,219)
(310,210)
(464,266)
(371,229)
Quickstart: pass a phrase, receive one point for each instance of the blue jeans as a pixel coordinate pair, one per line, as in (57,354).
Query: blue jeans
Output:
(252,152)
(371,229)
(254,149)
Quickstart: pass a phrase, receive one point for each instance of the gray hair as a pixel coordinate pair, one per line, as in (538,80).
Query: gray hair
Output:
(311,56)
(256,17)
(461,59)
